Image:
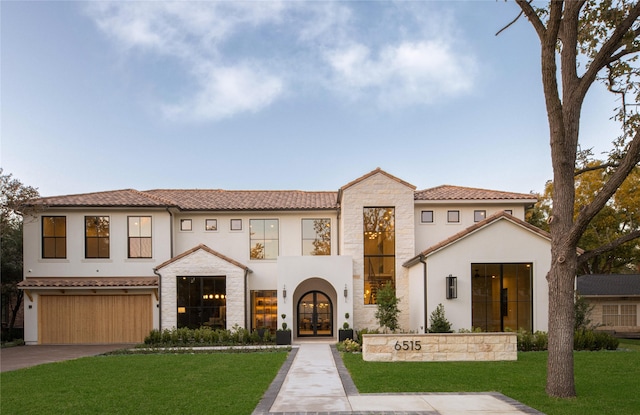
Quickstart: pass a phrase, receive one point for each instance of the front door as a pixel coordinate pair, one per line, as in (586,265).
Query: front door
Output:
(315,315)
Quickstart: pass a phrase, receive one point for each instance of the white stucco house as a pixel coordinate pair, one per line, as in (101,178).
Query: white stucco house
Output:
(108,267)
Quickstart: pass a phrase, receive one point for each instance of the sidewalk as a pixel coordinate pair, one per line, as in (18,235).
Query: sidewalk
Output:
(314,381)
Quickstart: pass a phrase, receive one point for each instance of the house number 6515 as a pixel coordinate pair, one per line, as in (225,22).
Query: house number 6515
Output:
(408,345)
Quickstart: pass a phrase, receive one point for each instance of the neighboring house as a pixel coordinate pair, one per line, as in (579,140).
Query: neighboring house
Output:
(615,299)
(110,266)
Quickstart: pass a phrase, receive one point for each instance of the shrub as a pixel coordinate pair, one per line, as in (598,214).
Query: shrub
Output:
(205,336)
(350,346)
(387,312)
(438,322)
(365,331)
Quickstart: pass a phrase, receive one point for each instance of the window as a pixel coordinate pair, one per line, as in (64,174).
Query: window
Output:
(202,301)
(509,211)
(502,296)
(54,237)
(236,224)
(264,310)
(139,236)
(479,215)
(96,235)
(379,250)
(316,236)
(186,225)
(619,315)
(453,216)
(211,224)
(264,238)
(426,216)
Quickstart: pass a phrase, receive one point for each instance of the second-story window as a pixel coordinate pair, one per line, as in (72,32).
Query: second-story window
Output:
(96,236)
(426,216)
(316,236)
(54,237)
(264,238)
(139,236)
(479,215)
(186,225)
(453,216)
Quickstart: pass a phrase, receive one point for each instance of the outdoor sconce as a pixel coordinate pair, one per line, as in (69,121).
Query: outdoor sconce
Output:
(346,293)
(452,287)
(284,292)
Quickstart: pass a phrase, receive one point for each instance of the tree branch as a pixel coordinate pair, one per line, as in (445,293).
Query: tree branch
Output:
(511,22)
(628,163)
(592,168)
(608,247)
(537,24)
(603,57)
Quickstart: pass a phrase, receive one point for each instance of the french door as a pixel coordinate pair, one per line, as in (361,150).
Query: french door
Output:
(315,315)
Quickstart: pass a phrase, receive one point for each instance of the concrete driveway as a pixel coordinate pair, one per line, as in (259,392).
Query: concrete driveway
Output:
(13,358)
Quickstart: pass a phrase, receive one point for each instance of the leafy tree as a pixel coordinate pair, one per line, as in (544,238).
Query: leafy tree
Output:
(14,197)
(438,323)
(387,312)
(608,240)
(591,41)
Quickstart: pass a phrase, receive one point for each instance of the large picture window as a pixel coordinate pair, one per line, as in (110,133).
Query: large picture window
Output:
(502,296)
(96,235)
(379,250)
(264,238)
(316,236)
(139,237)
(202,301)
(54,237)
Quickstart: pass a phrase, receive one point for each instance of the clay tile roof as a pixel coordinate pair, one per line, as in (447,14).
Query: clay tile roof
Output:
(448,192)
(471,229)
(247,199)
(609,285)
(206,249)
(78,282)
(125,198)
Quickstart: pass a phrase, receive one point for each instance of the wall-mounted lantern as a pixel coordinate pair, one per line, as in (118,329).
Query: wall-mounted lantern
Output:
(346,293)
(452,287)
(284,292)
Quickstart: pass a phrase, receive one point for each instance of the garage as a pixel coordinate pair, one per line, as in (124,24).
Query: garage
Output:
(78,319)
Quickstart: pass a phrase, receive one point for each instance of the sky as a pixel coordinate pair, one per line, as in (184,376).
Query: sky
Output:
(275,95)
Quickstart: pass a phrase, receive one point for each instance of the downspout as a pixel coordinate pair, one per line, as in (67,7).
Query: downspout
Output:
(155,271)
(424,267)
(170,233)
(246,315)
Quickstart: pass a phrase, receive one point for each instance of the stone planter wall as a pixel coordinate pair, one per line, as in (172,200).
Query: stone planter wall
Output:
(439,347)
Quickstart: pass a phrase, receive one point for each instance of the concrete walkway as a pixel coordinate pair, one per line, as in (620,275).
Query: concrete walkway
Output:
(315,381)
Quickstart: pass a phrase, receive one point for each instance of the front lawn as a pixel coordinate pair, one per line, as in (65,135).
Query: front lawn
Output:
(219,383)
(606,381)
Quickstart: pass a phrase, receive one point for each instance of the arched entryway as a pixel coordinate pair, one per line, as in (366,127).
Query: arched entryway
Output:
(315,315)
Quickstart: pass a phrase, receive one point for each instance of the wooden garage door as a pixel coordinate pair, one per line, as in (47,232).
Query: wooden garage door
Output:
(64,319)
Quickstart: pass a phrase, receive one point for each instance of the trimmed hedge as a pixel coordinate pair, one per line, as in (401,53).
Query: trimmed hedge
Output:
(583,339)
(205,336)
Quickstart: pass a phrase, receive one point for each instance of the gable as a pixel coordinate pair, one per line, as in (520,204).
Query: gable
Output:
(204,258)
(500,232)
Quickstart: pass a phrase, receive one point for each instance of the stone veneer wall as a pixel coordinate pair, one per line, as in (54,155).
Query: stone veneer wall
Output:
(202,263)
(439,347)
(378,190)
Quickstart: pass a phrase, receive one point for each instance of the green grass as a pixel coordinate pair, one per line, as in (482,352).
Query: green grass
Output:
(220,383)
(630,344)
(606,382)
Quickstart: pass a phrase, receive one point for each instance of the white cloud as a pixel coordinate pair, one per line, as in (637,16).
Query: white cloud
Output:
(401,75)
(242,56)
(226,91)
